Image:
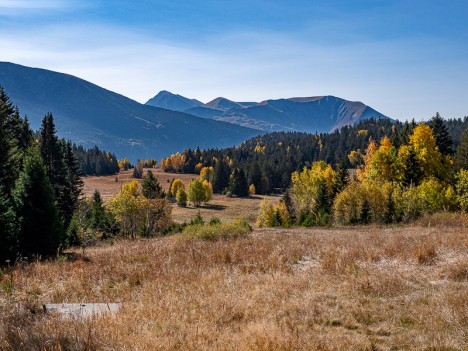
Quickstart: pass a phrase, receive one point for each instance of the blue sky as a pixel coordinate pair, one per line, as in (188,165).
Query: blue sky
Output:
(407,59)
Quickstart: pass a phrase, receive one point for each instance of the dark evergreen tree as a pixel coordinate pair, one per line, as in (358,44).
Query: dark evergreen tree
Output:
(7,229)
(62,169)
(461,157)
(40,229)
(288,202)
(365,214)
(255,176)
(341,177)
(7,148)
(151,188)
(73,184)
(220,177)
(99,217)
(323,204)
(54,163)
(440,131)
(413,173)
(238,183)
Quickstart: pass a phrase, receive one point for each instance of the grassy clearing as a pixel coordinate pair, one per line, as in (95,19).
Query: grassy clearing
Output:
(359,288)
(227,209)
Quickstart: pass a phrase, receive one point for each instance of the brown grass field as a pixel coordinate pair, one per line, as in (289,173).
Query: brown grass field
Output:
(357,288)
(339,288)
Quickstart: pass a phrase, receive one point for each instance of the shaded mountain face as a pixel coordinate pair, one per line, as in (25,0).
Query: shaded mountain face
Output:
(305,114)
(90,115)
(167,100)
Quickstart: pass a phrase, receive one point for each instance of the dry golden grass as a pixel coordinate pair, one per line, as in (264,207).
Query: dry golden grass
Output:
(359,288)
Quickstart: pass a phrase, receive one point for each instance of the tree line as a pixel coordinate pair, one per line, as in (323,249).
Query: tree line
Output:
(393,183)
(94,162)
(267,161)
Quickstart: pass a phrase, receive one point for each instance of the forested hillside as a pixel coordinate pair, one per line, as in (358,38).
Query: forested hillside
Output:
(269,160)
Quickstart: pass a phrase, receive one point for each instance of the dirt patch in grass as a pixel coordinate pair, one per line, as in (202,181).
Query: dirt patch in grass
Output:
(359,288)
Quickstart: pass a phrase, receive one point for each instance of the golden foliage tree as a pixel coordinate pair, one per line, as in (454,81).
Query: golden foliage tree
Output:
(176,185)
(138,215)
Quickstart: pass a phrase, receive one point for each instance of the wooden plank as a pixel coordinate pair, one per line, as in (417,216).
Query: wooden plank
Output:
(82,311)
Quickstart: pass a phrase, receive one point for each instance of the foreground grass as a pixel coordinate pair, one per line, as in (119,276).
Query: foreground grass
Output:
(360,288)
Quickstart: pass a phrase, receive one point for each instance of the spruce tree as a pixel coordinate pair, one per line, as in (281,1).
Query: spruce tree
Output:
(238,183)
(341,177)
(62,169)
(255,176)
(413,172)
(73,184)
(461,157)
(7,147)
(98,218)
(40,229)
(7,229)
(440,131)
(151,188)
(220,177)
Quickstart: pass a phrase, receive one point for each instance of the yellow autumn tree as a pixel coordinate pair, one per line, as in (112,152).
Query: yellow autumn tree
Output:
(207,173)
(430,159)
(306,185)
(362,170)
(384,164)
(208,188)
(138,215)
(176,185)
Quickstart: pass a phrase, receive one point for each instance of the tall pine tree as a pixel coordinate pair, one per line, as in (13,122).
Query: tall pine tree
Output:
(238,183)
(40,229)
(62,169)
(440,131)
(461,157)
(150,187)
(220,177)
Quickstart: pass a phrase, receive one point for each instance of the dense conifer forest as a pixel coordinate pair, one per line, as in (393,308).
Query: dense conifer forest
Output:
(269,160)
(39,186)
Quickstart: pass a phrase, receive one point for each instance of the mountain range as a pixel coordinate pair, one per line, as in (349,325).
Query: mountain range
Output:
(90,115)
(309,114)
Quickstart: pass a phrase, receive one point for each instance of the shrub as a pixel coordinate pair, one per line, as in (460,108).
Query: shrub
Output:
(224,231)
(273,216)
(215,220)
(181,197)
(198,219)
(176,185)
(196,192)
(138,215)
(462,189)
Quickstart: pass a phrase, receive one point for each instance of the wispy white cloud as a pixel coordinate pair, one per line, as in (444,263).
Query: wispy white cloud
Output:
(36,4)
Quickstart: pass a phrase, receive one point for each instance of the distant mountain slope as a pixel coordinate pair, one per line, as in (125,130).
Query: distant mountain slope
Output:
(309,114)
(165,99)
(90,115)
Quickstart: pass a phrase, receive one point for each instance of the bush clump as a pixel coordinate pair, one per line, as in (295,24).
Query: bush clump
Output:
(217,231)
